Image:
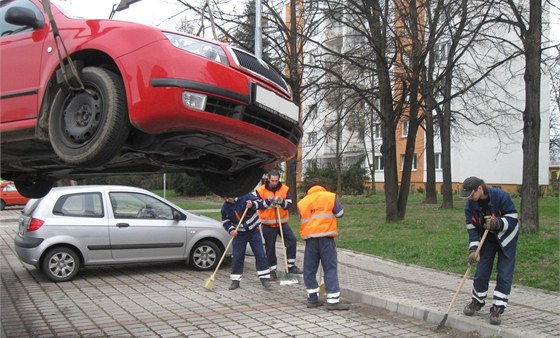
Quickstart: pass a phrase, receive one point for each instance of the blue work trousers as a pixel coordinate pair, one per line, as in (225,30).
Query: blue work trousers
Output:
(321,250)
(505,265)
(253,237)
(270,234)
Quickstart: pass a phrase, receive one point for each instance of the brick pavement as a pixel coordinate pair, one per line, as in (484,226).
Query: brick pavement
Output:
(169,300)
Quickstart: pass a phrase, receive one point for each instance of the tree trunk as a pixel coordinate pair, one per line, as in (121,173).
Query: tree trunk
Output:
(413,124)
(295,83)
(371,161)
(390,171)
(339,151)
(291,181)
(387,112)
(445,133)
(531,120)
(431,192)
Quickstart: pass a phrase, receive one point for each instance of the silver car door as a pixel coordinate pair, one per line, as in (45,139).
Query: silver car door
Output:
(81,217)
(142,228)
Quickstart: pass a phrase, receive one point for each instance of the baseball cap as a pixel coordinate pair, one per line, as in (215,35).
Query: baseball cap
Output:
(470,184)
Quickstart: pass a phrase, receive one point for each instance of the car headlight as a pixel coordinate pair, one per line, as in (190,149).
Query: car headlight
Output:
(198,47)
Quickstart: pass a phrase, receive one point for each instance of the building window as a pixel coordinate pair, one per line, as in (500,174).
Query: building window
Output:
(405,128)
(442,51)
(313,112)
(378,165)
(312,138)
(438,165)
(436,129)
(377,131)
(413,162)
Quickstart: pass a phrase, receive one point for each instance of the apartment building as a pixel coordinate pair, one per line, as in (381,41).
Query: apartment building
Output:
(487,126)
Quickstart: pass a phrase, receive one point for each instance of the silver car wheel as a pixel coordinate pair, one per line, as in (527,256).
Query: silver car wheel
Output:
(205,256)
(62,264)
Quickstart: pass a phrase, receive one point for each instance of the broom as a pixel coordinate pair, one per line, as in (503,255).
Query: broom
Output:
(322,285)
(462,281)
(209,283)
(287,279)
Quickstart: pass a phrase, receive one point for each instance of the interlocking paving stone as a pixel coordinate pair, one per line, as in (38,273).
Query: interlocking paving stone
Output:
(169,300)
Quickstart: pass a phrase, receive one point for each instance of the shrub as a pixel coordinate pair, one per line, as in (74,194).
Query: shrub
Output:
(326,174)
(352,178)
(187,185)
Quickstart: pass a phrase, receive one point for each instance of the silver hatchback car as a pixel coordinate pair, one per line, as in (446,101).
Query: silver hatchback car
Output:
(77,226)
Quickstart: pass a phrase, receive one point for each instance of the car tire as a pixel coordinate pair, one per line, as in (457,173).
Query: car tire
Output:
(33,188)
(233,185)
(60,264)
(88,128)
(2,205)
(205,256)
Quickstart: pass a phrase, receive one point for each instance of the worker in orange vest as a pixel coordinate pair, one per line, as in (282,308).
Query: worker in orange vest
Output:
(275,195)
(318,211)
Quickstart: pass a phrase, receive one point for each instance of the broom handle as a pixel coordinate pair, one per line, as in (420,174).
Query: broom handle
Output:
(228,245)
(467,272)
(282,237)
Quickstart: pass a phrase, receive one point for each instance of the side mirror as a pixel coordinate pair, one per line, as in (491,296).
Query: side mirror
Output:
(177,216)
(22,16)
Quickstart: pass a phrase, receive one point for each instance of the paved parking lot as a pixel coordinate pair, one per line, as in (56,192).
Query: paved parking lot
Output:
(169,300)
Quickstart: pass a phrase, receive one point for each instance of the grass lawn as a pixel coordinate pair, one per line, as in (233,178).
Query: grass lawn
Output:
(434,237)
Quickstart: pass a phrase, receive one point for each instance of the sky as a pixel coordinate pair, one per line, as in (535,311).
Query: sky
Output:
(165,13)
(161,13)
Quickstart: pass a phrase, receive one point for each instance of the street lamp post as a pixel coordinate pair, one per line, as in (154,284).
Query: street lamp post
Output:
(258,29)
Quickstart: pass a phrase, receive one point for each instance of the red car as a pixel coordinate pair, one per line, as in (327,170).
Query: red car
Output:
(134,99)
(10,196)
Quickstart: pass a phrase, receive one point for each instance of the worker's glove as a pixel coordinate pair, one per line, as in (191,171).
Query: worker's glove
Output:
(278,201)
(473,257)
(495,224)
(275,201)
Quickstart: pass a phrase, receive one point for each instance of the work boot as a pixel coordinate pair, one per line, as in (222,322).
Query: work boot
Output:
(234,285)
(338,307)
(495,315)
(472,307)
(312,304)
(267,285)
(273,276)
(295,270)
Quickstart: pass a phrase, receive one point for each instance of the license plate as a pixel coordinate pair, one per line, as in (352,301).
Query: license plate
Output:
(276,104)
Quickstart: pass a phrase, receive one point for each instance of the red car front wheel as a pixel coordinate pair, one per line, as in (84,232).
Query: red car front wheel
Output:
(88,128)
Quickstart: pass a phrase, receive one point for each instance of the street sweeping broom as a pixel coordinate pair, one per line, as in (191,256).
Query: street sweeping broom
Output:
(287,279)
(442,323)
(209,283)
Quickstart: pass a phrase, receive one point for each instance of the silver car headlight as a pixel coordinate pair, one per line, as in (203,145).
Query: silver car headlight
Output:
(198,47)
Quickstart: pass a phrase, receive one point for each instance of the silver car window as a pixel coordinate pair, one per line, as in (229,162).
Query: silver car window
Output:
(140,206)
(79,205)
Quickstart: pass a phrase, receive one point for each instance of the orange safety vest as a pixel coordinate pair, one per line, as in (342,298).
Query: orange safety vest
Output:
(317,217)
(269,216)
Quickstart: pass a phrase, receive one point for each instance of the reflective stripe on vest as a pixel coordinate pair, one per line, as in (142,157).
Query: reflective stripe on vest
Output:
(317,218)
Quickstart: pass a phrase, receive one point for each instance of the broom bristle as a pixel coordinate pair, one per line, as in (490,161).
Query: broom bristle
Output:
(322,289)
(287,279)
(442,321)
(209,283)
